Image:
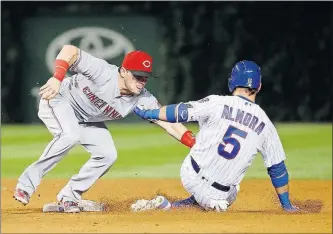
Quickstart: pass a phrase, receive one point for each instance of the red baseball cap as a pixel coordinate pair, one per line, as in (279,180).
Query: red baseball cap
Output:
(139,63)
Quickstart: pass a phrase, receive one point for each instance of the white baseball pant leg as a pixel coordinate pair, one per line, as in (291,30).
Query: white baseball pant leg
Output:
(206,196)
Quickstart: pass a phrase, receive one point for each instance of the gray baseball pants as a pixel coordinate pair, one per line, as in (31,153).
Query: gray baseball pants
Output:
(59,117)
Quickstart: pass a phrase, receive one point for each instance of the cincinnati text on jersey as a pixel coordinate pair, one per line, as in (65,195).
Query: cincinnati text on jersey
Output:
(100,103)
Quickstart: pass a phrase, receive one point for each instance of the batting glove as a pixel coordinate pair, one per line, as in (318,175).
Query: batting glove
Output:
(146,114)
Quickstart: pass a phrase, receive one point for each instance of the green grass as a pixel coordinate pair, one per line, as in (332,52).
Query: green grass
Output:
(145,150)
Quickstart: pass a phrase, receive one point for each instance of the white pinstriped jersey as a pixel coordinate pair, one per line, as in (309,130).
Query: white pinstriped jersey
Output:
(232,131)
(94,93)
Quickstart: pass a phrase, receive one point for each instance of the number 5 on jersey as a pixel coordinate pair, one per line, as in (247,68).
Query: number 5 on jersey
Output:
(229,139)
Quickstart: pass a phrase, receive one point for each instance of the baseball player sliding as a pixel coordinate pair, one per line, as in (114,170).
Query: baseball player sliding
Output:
(233,129)
(74,110)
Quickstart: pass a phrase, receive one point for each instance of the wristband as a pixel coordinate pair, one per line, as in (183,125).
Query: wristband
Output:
(188,139)
(60,69)
(279,174)
(284,199)
(280,181)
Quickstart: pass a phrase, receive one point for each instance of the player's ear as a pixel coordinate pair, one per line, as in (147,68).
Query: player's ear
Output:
(122,72)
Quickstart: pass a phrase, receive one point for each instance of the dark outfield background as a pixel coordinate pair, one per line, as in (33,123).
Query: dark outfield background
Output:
(194,45)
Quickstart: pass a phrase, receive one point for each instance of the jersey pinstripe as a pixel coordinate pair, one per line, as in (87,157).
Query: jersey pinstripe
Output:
(232,131)
(94,94)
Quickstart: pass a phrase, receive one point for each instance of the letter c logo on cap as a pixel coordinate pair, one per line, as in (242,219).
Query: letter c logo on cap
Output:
(146,63)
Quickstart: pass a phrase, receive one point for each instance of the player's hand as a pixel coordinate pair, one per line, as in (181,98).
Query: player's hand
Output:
(291,209)
(218,205)
(50,89)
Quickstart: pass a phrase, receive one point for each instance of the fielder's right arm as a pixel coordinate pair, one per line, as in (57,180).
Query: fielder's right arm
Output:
(68,54)
(78,61)
(66,57)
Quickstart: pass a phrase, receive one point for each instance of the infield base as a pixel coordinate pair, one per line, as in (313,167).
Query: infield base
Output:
(84,205)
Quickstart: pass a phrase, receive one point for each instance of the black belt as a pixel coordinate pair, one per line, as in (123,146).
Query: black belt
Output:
(215,184)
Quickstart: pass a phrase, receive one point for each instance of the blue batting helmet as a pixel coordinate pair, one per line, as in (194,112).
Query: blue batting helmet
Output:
(245,74)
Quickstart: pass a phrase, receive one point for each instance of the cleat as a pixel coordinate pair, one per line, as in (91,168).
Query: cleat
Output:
(21,196)
(84,205)
(160,202)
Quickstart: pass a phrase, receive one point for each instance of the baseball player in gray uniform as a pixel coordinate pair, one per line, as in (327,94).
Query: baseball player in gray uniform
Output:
(74,110)
(233,129)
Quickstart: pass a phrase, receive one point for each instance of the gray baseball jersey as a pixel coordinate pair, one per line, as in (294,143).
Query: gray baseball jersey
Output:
(97,81)
(232,131)
(76,116)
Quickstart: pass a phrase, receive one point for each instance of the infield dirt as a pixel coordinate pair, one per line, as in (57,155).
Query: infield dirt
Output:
(255,210)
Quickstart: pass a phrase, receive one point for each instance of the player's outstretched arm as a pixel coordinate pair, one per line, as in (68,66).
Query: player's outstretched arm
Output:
(280,180)
(174,113)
